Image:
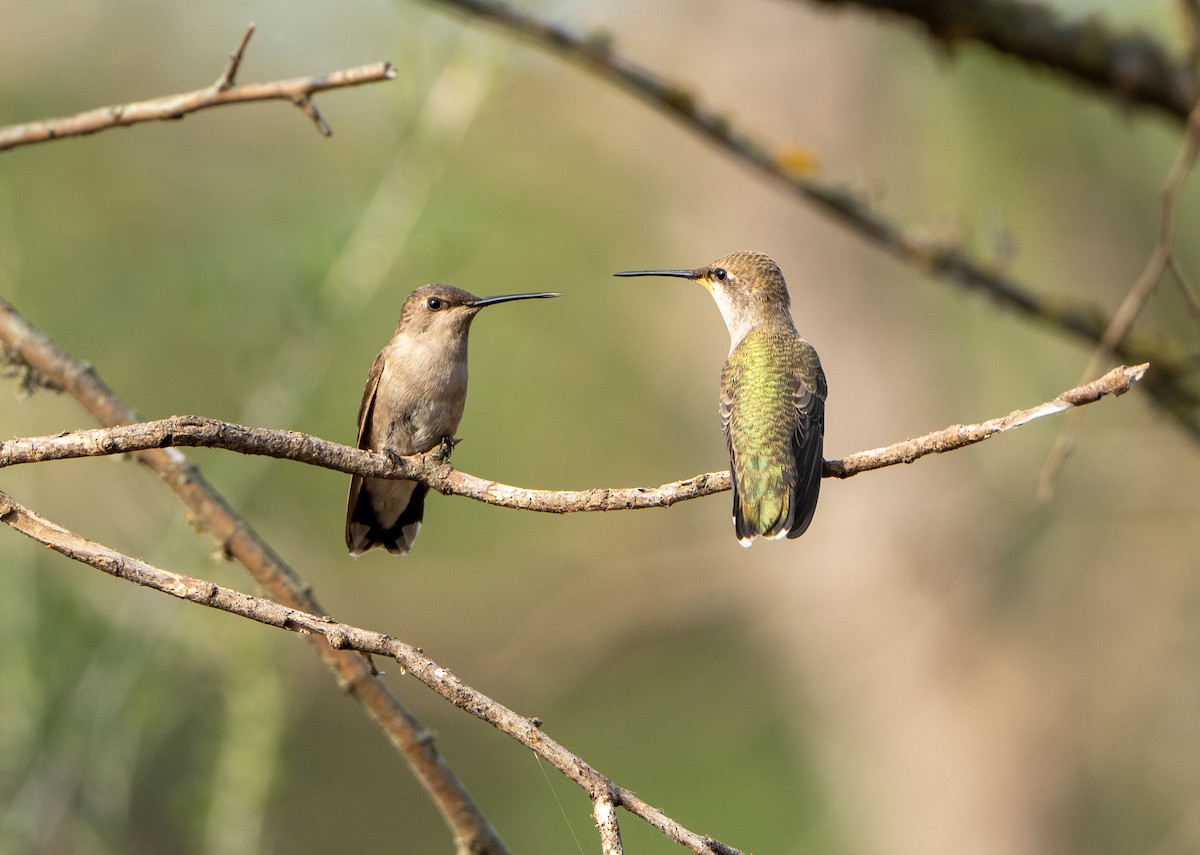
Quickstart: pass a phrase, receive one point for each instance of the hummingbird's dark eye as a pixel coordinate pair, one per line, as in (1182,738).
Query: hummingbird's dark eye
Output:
(434,303)
(719,274)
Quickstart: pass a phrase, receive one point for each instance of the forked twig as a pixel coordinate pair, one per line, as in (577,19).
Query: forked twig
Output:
(298,90)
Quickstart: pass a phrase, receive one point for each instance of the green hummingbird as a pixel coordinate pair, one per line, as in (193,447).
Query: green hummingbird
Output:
(772,397)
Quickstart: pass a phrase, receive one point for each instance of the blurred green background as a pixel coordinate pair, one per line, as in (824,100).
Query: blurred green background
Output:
(941,665)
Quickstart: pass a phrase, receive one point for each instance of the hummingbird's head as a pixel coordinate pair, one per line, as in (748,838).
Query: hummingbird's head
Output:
(747,286)
(446,310)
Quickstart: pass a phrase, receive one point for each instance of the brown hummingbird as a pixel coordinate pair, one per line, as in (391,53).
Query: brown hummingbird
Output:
(413,401)
(772,397)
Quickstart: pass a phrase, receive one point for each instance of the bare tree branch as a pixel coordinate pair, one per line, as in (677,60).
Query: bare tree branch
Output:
(36,354)
(1115,382)
(298,90)
(1169,383)
(1132,68)
(342,637)
(197,431)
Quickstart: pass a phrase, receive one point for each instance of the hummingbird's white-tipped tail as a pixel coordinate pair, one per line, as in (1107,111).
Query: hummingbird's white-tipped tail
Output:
(382,512)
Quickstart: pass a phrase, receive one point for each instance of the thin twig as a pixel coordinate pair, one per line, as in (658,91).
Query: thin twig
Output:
(1083,320)
(298,91)
(228,77)
(1160,261)
(1160,257)
(1185,287)
(207,508)
(340,636)
(1116,382)
(198,431)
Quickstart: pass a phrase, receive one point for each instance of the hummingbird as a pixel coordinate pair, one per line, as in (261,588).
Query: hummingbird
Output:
(772,403)
(413,401)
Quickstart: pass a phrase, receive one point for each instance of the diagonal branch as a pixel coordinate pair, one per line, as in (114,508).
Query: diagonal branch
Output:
(298,90)
(197,431)
(343,637)
(1131,68)
(1168,384)
(33,353)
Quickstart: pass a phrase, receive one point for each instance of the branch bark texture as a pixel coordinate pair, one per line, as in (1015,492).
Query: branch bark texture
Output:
(198,431)
(1132,67)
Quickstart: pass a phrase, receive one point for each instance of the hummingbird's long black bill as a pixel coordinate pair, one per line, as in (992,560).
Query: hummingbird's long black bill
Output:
(504,298)
(681,274)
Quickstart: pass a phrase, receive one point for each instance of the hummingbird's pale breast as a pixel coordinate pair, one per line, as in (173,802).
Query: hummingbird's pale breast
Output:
(421,395)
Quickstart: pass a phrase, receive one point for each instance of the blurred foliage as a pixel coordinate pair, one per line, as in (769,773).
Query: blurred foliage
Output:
(939,665)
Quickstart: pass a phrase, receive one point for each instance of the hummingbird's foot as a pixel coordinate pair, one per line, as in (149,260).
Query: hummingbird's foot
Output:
(394,457)
(444,450)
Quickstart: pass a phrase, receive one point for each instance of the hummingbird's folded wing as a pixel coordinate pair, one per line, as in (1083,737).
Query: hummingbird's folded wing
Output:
(808,442)
(368,398)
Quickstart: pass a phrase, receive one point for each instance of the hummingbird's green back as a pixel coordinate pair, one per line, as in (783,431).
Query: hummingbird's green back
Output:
(773,414)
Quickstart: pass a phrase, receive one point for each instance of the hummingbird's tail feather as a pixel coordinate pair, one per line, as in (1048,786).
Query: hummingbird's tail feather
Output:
(761,498)
(766,504)
(382,512)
